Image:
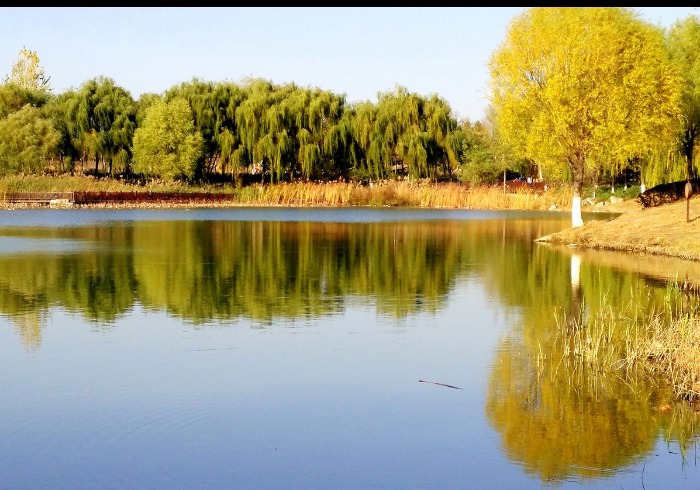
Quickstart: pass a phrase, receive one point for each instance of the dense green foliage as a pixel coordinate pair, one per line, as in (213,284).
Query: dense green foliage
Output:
(167,145)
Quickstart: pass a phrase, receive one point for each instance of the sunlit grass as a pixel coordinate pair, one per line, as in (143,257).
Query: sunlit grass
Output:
(387,193)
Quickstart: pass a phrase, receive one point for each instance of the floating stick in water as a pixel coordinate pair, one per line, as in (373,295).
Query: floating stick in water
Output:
(441,384)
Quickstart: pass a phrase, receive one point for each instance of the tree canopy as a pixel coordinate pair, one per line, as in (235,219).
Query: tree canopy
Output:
(577,94)
(168,145)
(28,73)
(584,88)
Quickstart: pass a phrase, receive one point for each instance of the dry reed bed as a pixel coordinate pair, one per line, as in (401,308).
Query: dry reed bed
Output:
(617,340)
(675,351)
(386,193)
(405,194)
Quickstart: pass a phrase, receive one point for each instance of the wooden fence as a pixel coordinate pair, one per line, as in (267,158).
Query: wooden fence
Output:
(37,197)
(89,197)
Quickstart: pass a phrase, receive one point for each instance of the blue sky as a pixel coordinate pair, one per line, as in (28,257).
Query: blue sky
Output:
(358,51)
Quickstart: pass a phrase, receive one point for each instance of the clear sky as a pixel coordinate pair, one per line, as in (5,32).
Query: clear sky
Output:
(356,51)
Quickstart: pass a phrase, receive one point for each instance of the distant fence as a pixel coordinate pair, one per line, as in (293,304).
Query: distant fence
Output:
(37,197)
(89,197)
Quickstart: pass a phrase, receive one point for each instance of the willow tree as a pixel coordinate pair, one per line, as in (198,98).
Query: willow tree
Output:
(321,135)
(28,141)
(105,117)
(444,135)
(370,152)
(684,46)
(205,113)
(250,116)
(213,108)
(584,88)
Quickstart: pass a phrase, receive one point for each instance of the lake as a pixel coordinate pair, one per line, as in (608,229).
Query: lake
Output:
(347,348)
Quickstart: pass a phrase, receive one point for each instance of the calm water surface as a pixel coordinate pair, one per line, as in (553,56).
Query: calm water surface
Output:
(315,348)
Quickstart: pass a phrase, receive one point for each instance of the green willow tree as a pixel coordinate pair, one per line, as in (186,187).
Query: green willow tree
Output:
(168,145)
(103,116)
(68,148)
(250,127)
(13,97)
(213,107)
(584,88)
(320,133)
(28,142)
(370,152)
(404,133)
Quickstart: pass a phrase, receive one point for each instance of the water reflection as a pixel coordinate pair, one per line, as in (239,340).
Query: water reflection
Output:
(567,417)
(364,274)
(203,270)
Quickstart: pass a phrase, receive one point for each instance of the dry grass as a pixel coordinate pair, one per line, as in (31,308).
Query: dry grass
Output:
(387,193)
(661,230)
(400,194)
(82,183)
(674,351)
(619,340)
(609,341)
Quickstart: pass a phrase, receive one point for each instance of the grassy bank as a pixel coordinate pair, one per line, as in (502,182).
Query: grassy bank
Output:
(671,230)
(387,193)
(668,343)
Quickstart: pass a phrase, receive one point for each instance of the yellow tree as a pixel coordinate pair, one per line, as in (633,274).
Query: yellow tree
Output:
(584,88)
(28,73)
(684,45)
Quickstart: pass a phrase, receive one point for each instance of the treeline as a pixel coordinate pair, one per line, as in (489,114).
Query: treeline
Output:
(224,131)
(582,95)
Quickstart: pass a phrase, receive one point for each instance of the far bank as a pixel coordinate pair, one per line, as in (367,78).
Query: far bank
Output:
(393,193)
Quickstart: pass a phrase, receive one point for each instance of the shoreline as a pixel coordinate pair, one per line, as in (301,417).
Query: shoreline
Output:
(671,230)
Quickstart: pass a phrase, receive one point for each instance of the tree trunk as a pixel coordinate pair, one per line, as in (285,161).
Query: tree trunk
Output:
(577,166)
(689,159)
